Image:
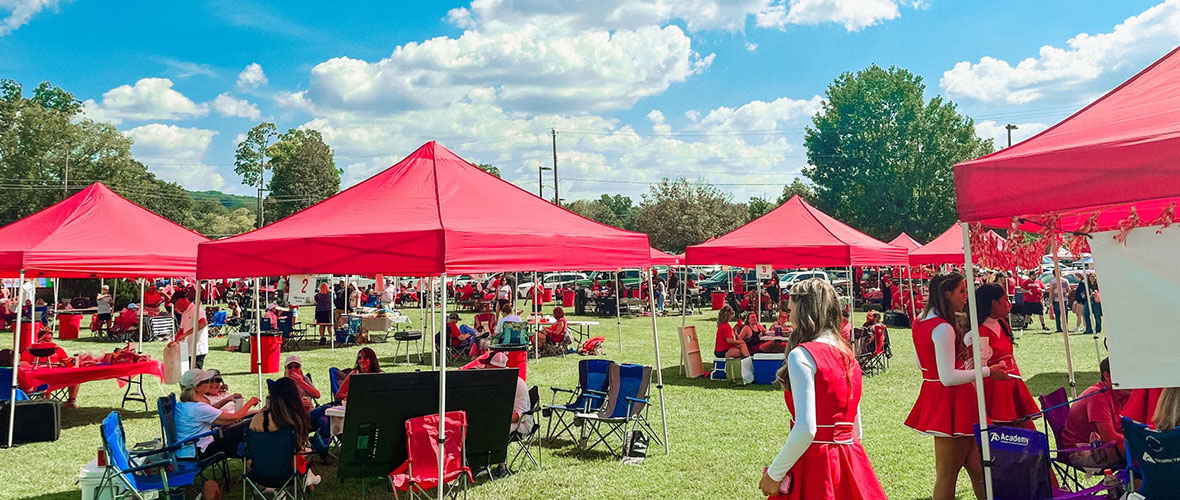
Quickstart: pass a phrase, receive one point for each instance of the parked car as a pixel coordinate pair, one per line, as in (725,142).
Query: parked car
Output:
(551,280)
(631,278)
(789,279)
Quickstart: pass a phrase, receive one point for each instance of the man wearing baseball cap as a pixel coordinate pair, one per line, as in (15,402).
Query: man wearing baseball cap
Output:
(520,422)
(194,415)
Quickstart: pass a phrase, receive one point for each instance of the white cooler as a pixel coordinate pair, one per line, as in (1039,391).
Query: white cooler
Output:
(89,478)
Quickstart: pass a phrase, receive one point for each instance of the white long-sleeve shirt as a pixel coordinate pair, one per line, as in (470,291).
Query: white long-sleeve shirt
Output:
(801,368)
(944,356)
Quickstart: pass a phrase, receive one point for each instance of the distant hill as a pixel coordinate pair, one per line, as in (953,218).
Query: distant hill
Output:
(230,201)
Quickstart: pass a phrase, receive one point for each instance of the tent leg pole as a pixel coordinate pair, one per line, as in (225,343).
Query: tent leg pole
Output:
(684,298)
(655,337)
(985,446)
(141,295)
(1063,316)
(1089,310)
(195,333)
(442,380)
(618,309)
(20,301)
(56,282)
(258,336)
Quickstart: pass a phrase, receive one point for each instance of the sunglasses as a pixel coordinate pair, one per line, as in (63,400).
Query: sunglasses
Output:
(214,381)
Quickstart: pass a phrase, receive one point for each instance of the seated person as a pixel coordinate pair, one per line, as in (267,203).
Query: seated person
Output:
(195,415)
(285,410)
(520,422)
(128,319)
(1095,417)
(233,315)
(873,326)
(366,362)
(152,300)
(782,325)
(728,345)
(459,340)
(752,333)
(845,327)
(58,358)
(557,334)
(507,316)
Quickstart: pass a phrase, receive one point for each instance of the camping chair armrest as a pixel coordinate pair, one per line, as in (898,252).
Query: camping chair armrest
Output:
(591,393)
(635,400)
(1100,446)
(154,465)
(558,389)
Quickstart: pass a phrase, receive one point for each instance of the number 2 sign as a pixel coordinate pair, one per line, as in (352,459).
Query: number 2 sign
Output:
(302,290)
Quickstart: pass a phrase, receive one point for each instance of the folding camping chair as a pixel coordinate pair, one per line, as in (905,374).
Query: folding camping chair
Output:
(592,378)
(40,392)
(1156,455)
(513,334)
(1021,458)
(178,448)
(154,472)
(876,352)
(1055,409)
(161,327)
(291,336)
(418,476)
(218,324)
(335,377)
(272,465)
(625,407)
(524,441)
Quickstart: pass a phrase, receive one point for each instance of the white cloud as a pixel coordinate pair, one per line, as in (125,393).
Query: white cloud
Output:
(989,129)
(1145,36)
(854,15)
(148,99)
(751,46)
(20,12)
(758,116)
(252,77)
(227,105)
(528,67)
(176,154)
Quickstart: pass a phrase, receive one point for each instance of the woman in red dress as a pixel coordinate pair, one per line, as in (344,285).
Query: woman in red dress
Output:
(947,407)
(1009,399)
(823,458)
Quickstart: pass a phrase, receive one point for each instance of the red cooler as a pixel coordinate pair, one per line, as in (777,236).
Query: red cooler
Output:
(271,351)
(718,300)
(69,326)
(567,298)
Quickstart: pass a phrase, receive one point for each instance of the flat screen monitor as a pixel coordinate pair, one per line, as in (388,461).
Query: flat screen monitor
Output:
(374,439)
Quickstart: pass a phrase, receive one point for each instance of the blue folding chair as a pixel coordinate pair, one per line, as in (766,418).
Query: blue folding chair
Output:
(624,408)
(1156,455)
(158,472)
(272,465)
(184,449)
(218,322)
(334,379)
(512,334)
(6,388)
(1021,457)
(592,379)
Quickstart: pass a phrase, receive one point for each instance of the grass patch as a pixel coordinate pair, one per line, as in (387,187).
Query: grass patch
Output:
(720,436)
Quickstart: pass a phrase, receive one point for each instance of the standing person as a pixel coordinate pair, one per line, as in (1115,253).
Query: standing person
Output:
(1008,400)
(728,345)
(1080,303)
(199,342)
(738,287)
(106,305)
(661,291)
(323,312)
(1059,294)
(887,293)
(505,294)
(946,407)
(1095,302)
(339,299)
(823,457)
(1034,292)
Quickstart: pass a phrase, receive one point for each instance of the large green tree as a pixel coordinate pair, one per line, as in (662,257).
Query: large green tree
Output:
(626,213)
(49,151)
(757,207)
(304,170)
(880,155)
(797,187)
(594,209)
(678,213)
(250,159)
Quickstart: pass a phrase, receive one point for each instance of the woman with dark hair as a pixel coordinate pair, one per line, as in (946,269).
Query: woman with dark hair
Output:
(728,345)
(823,457)
(1008,399)
(284,409)
(366,362)
(947,407)
(752,333)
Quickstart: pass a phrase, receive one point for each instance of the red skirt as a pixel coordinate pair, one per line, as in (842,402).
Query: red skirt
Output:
(944,411)
(1008,400)
(833,472)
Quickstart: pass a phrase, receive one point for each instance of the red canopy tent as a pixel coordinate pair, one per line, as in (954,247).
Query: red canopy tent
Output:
(1118,151)
(660,258)
(947,248)
(905,241)
(431,213)
(796,234)
(97,234)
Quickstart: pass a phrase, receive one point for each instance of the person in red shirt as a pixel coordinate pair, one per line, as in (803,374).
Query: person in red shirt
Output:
(1033,290)
(738,288)
(728,345)
(1095,417)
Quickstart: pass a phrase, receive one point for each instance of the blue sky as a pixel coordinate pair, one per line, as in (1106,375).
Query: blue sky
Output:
(636,90)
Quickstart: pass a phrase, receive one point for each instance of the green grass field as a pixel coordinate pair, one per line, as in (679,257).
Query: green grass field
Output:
(721,436)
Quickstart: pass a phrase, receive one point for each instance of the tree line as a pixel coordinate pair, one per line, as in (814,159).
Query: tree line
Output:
(879,158)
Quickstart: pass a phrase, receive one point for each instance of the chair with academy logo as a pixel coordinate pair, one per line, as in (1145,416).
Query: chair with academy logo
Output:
(1021,457)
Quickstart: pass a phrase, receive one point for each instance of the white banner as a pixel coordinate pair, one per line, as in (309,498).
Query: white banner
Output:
(765,271)
(301,290)
(1139,285)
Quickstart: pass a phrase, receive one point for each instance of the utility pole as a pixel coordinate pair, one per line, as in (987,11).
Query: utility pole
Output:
(65,181)
(540,181)
(1010,127)
(556,194)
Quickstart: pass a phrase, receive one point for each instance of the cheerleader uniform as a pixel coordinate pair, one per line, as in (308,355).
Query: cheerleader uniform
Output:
(1008,399)
(834,464)
(946,405)
(1141,405)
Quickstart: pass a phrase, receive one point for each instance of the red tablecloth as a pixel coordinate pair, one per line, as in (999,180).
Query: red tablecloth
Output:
(56,378)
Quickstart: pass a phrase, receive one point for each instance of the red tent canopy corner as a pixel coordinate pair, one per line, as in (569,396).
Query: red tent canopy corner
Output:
(905,241)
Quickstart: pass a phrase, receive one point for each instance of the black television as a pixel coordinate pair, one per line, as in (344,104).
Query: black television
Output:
(374,439)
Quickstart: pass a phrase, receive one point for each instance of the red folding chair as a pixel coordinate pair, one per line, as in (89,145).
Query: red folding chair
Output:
(418,476)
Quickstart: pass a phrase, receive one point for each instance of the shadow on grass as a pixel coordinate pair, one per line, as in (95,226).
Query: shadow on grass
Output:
(1044,383)
(672,376)
(87,416)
